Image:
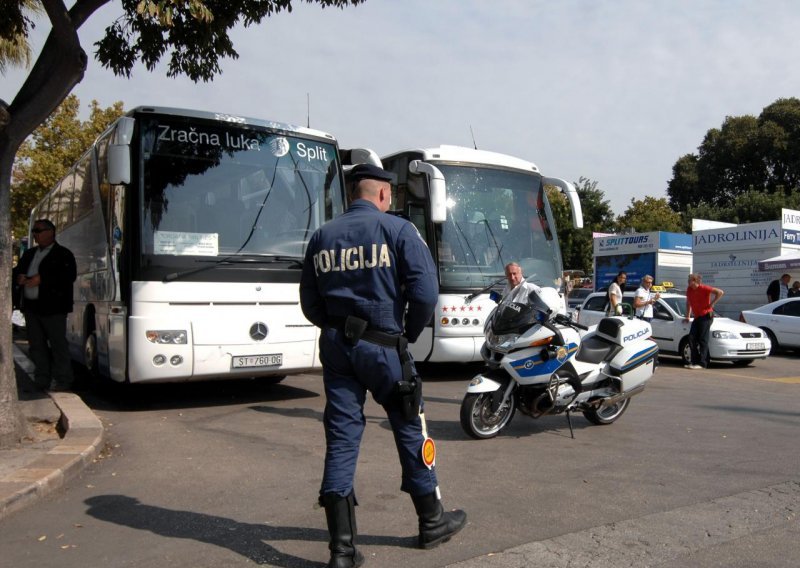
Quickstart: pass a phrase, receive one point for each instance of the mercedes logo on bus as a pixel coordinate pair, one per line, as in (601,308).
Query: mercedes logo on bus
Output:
(259,331)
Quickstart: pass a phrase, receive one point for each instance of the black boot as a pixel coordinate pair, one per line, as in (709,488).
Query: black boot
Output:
(341,515)
(436,526)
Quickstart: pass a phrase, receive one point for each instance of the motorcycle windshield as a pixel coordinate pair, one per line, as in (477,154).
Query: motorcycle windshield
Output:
(519,311)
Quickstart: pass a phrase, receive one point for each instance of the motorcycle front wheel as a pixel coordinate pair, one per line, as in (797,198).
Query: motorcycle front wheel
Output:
(477,418)
(607,415)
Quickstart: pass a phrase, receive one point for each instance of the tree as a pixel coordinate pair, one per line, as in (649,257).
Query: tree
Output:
(745,154)
(649,214)
(577,244)
(46,156)
(750,207)
(195,33)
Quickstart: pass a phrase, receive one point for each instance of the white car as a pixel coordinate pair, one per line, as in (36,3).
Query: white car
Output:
(731,340)
(780,320)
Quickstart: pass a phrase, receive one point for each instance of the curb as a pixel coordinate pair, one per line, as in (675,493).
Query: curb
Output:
(81,443)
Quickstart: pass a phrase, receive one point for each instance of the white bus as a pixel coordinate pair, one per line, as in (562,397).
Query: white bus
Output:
(478,211)
(189,230)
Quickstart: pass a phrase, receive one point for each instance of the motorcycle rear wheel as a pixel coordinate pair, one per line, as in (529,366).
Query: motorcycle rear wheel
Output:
(477,418)
(607,415)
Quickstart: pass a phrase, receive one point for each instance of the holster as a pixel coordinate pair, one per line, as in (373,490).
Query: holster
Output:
(354,328)
(408,390)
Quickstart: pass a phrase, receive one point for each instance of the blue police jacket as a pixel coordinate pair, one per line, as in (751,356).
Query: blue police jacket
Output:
(369,264)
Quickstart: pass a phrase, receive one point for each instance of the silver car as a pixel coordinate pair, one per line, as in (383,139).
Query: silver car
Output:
(731,340)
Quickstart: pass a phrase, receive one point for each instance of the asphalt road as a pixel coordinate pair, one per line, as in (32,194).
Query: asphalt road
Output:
(227,473)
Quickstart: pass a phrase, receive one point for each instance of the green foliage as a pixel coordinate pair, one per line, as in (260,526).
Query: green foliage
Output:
(194,31)
(749,207)
(46,156)
(746,154)
(15,26)
(649,214)
(576,244)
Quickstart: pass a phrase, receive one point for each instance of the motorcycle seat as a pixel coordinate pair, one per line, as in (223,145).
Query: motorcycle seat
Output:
(611,328)
(596,349)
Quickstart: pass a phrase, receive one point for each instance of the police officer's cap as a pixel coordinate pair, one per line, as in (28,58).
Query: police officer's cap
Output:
(368,171)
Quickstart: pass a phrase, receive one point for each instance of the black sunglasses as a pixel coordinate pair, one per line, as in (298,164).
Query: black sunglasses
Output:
(37,231)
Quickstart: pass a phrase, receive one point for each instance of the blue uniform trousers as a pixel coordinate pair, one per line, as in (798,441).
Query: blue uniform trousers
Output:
(348,373)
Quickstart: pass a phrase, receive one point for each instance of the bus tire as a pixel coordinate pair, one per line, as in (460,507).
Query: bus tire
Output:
(90,355)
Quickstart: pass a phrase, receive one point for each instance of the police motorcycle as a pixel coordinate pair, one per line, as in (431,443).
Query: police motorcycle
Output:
(540,361)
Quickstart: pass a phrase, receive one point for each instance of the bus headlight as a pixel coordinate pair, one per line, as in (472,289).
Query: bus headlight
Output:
(169,336)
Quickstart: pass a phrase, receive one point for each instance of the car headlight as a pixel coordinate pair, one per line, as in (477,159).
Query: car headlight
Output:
(168,336)
(724,335)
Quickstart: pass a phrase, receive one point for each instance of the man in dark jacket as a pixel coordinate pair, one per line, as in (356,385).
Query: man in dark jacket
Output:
(43,278)
(778,289)
(361,271)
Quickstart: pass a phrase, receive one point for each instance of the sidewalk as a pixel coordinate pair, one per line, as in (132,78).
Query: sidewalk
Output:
(43,464)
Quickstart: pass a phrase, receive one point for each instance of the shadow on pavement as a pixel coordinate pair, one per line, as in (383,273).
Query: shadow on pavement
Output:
(248,540)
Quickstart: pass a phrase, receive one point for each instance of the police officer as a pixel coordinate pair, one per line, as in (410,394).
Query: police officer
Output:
(361,271)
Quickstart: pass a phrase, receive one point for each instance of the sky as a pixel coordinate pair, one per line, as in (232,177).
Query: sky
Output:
(613,91)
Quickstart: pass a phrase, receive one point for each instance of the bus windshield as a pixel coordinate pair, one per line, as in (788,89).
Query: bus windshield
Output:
(495,216)
(213,189)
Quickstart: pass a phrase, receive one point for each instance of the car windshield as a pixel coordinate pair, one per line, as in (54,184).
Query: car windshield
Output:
(677,303)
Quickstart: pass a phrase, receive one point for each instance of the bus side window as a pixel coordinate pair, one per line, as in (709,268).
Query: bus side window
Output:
(84,201)
(61,201)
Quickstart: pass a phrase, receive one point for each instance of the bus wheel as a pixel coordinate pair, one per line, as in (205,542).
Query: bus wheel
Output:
(90,355)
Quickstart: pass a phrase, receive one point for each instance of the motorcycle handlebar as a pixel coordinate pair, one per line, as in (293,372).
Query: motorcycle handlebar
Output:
(565,320)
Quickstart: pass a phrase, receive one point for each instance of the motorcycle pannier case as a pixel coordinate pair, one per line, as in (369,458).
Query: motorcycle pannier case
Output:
(635,362)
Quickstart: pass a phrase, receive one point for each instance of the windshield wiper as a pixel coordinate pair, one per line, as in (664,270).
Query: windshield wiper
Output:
(468,299)
(249,259)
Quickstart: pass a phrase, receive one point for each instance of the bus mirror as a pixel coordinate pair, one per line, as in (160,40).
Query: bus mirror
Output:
(572,196)
(119,151)
(119,164)
(437,187)
(360,156)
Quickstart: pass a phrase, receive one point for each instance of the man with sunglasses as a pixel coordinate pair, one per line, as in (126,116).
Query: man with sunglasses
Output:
(43,280)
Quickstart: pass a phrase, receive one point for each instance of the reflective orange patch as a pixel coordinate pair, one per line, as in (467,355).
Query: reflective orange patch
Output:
(428,452)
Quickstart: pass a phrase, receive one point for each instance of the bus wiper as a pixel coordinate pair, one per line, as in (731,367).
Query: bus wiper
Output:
(468,299)
(265,258)
(184,273)
(250,259)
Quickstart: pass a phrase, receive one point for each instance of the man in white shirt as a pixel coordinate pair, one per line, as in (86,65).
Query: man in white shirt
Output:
(43,281)
(517,289)
(644,299)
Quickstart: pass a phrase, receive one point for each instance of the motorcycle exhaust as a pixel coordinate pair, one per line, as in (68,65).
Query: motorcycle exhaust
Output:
(611,401)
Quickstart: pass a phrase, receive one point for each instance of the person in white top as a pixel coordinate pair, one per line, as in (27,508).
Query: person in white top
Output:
(645,298)
(615,294)
(517,289)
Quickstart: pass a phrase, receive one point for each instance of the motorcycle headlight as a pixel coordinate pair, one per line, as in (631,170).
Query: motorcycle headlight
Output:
(502,343)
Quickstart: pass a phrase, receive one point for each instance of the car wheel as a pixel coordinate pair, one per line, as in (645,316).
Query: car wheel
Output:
(686,351)
(775,345)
